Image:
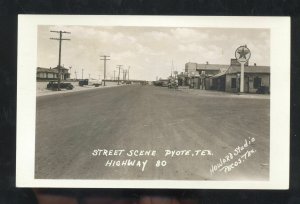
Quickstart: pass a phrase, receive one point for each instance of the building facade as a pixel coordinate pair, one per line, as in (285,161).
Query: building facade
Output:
(227,77)
(256,78)
(190,67)
(199,73)
(44,74)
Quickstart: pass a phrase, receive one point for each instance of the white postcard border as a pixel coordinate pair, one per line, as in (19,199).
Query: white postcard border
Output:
(280,97)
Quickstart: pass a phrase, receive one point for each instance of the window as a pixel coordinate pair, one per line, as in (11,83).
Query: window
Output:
(233,83)
(257,82)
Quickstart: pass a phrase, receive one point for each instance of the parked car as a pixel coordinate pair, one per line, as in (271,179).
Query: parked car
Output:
(263,90)
(97,84)
(173,85)
(157,83)
(165,84)
(83,82)
(53,85)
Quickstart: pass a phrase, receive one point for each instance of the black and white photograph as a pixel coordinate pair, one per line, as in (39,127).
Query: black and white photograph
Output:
(155,102)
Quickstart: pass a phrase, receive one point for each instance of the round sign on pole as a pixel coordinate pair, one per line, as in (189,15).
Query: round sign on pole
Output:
(242,54)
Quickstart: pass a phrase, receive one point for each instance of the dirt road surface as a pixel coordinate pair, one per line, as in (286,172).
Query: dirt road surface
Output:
(71,126)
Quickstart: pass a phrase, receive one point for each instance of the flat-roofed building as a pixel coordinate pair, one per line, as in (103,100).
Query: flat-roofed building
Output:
(45,74)
(256,79)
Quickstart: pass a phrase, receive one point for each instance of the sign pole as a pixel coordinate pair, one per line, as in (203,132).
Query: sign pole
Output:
(242,77)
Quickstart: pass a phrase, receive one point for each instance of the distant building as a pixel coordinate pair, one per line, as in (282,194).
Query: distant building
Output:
(190,67)
(208,70)
(211,69)
(198,73)
(45,74)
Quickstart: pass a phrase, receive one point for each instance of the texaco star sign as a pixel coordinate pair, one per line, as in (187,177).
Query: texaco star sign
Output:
(242,54)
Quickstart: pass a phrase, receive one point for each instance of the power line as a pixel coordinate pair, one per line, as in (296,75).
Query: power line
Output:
(104,58)
(60,39)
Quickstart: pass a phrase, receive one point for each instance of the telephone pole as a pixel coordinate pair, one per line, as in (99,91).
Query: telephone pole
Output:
(119,66)
(60,39)
(82,74)
(75,74)
(104,58)
(124,74)
(128,72)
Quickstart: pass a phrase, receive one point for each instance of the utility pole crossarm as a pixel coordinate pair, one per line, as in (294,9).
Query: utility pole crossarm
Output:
(105,57)
(55,31)
(60,39)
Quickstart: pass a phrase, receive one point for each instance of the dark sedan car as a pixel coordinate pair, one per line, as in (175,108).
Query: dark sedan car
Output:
(53,85)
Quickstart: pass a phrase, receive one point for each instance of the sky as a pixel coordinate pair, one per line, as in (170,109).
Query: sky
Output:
(149,51)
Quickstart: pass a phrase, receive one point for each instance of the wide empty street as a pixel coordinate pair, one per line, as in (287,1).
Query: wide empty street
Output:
(215,136)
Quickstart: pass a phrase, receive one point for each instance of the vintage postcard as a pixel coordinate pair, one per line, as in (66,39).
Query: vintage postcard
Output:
(153,102)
